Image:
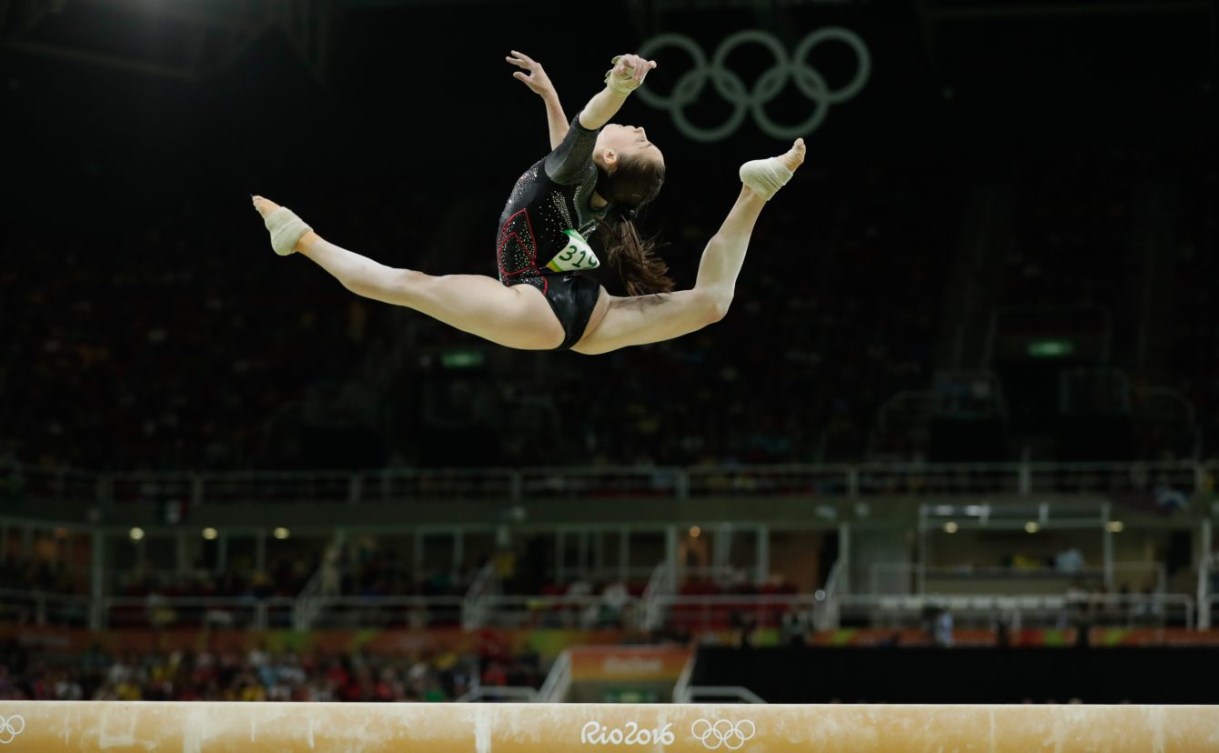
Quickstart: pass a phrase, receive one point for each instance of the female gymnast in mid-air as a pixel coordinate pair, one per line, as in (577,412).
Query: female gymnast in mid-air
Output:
(596,178)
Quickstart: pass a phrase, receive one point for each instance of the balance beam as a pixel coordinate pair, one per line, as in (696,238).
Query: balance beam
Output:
(156,727)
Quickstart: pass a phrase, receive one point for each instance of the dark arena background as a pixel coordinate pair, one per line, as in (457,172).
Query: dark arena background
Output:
(955,442)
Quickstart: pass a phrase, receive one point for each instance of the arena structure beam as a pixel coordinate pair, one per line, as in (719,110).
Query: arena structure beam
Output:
(183,39)
(211,727)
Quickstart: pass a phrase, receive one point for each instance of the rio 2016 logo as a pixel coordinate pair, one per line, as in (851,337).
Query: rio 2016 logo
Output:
(596,733)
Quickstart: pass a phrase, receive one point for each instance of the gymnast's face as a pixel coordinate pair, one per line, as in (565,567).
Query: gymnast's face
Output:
(616,140)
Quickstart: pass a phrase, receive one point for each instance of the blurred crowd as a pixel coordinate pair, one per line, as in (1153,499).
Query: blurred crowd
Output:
(259,675)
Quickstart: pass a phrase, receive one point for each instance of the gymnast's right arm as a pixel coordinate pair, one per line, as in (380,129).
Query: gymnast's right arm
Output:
(534,76)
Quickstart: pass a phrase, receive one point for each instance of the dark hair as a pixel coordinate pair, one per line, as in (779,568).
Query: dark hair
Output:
(631,186)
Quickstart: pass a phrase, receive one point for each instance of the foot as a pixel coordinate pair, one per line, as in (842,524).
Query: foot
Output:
(766,176)
(794,157)
(288,232)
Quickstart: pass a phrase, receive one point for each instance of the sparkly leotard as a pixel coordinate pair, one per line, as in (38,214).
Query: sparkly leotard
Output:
(544,228)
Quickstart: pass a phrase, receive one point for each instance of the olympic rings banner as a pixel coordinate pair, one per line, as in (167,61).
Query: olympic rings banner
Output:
(746,100)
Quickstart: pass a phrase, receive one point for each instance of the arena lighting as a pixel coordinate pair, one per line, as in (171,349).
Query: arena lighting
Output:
(281,533)
(1032,527)
(950,527)
(136,534)
(1116,526)
(210,533)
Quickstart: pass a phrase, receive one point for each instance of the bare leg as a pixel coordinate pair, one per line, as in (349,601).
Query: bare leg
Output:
(516,317)
(647,319)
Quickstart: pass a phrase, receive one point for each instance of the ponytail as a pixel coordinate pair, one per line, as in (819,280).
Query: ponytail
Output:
(634,183)
(633,256)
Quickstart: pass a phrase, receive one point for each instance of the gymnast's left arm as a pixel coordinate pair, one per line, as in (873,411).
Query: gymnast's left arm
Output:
(534,76)
(625,77)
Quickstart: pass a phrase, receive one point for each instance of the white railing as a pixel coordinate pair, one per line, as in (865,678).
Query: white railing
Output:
(215,612)
(31,483)
(486,584)
(323,582)
(720,611)
(1028,610)
(661,584)
(899,578)
(570,611)
(1206,571)
(44,608)
(558,680)
(1210,608)
(825,615)
(387,611)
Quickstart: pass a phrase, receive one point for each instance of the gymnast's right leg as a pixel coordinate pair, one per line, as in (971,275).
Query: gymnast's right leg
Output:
(641,320)
(515,317)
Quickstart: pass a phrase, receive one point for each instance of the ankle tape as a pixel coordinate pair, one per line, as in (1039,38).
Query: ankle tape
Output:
(286,229)
(765,176)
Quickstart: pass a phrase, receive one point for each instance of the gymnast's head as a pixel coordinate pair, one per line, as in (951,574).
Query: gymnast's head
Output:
(631,168)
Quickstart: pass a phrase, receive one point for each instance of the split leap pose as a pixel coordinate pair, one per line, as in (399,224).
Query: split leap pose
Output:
(595,179)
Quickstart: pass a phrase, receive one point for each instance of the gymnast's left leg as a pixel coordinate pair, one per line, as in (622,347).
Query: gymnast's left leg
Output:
(515,317)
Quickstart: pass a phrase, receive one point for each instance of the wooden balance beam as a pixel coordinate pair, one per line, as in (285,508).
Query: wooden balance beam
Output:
(157,727)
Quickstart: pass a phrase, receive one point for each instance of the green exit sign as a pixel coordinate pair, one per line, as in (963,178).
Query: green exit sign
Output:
(1050,348)
(462,359)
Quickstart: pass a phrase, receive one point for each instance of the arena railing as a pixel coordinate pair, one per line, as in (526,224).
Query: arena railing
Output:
(44,608)
(384,612)
(1023,611)
(896,578)
(205,612)
(31,483)
(794,612)
(71,610)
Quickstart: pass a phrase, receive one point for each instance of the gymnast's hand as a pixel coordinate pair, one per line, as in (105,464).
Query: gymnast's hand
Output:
(534,76)
(628,73)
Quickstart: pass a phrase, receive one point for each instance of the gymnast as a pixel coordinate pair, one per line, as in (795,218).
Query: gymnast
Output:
(594,181)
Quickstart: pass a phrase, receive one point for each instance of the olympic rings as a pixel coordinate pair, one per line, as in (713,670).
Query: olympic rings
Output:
(731,88)
(10,727)
(723,733)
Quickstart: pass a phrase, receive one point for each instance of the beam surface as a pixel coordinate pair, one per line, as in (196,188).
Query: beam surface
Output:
(207,727)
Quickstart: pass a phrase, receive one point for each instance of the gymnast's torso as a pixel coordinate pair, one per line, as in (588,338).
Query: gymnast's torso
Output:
(545,226)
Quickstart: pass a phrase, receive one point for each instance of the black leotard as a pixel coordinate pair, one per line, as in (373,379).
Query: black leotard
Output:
(544,228)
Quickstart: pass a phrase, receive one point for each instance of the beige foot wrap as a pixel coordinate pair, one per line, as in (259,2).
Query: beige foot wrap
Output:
(286,229)
(765,176)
